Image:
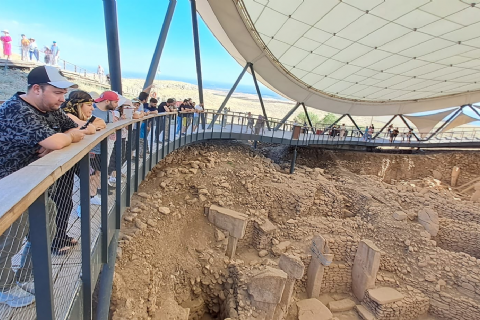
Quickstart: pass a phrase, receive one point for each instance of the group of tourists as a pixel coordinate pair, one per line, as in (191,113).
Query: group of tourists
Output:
(41,120)
(29,49)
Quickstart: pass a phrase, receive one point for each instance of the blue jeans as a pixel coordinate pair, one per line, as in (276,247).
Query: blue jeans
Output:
(179,125)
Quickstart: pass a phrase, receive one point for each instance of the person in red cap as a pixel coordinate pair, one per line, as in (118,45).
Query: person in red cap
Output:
(102,108)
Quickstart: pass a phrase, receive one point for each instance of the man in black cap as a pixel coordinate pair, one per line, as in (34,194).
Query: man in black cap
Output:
(31,126)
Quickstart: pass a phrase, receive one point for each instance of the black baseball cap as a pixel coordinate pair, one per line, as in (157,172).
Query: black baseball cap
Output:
(50,75)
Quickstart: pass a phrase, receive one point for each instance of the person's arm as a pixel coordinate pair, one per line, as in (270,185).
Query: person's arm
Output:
(61,140)
(99,123)
(153,112)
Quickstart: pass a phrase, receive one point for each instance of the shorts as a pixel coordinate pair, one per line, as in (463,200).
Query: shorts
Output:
(195,121)
(186,121)
(95,163)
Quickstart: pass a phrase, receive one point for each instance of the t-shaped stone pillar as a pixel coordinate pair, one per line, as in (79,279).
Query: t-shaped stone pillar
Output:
(365,268)
(233,222)
(455,174)
(266,288)
(321,258)
(294,268)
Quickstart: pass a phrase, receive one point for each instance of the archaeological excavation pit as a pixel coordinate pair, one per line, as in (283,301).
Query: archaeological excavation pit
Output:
(222,232)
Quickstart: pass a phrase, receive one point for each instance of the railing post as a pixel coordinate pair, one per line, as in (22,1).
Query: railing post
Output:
(128,155)
(118,177)
(41,258)
(137,153)
(104,197)
(84,165)
(145,148)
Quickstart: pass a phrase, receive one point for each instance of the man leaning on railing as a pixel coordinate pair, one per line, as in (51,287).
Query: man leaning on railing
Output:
(31,126)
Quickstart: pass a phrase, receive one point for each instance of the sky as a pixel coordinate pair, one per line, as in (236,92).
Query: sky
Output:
(79,29)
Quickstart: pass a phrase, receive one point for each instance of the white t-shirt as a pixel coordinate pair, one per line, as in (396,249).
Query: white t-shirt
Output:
(199,108)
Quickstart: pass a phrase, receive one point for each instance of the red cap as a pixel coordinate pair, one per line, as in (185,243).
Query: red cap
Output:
(107,95)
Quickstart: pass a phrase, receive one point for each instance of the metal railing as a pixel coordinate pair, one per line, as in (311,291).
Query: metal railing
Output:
(58,195)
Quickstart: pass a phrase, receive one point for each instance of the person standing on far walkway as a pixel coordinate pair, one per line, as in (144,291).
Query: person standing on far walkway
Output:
(55,51)
(25,43)
(7,44)
(33,49)
(100,73)
(342,131)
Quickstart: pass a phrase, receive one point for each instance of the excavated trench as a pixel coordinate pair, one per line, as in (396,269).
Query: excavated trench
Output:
(346,197)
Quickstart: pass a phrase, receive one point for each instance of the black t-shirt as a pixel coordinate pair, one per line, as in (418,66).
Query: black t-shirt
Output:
(163,107)
(188,107)
(22,127)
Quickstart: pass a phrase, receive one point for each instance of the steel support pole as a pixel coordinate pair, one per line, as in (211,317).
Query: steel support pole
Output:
(294,159)
(224,103)
(336,121)
(287,116)
(196,42)
(306,114)
(259,95)
(354,123)
(389,121)
(106,279)
(408,126)
(447,122)
(474,110)
(152,71)
(113,47)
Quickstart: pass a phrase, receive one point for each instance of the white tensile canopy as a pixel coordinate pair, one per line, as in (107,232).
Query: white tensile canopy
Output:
(363,57)
(426,123)
(458,121)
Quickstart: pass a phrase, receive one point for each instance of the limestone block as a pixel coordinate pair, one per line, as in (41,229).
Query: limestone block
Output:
(476,195)
(267,285)
(233,222)
(437,174)
(268,227)
(341,305)
(385,295)
(429,220)
(400,215)
(365,268)
(281,247)
(365,313)
(292,265)
(313,309)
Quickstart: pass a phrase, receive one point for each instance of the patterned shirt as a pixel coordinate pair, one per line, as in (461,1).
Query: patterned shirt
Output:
(22,127)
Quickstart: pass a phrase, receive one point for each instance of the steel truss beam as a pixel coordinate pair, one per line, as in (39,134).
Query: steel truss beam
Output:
(287,116)
(259,95)
(152,71)
(113,46)
(224,103)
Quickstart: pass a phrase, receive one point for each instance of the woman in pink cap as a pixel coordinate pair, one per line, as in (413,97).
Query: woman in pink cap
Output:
(7,44)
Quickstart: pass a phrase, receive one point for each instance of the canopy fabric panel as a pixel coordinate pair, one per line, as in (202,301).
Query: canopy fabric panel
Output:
(426,123)
(458,121)
(369,57)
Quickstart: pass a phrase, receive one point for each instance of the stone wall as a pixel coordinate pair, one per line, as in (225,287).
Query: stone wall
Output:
(450,307)
(263,233)
(337,278)
(459,236)
(410,307)
(465,213)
